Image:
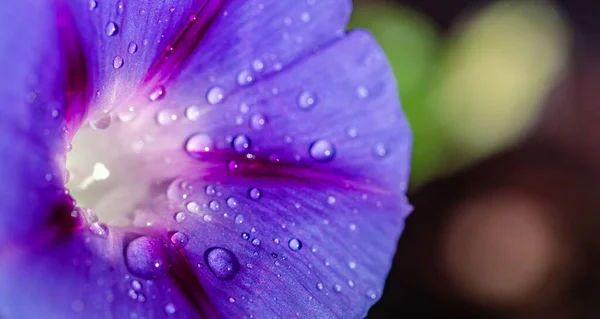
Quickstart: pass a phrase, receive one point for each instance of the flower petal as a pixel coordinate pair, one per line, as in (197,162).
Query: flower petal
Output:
(32,95)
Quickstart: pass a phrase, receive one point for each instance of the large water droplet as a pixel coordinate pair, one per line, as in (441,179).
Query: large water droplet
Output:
(157,94)
(222,262)
(117,62)
(179,239)
(132,48)
(306,100)
(170,309)
(166,117)
(180,217)
(241,143)
(111,29)
(239,219)
(93,4)
(255,193)
(199,143)
(214,205)
(258,122)
(192,207)
(146,257)
(295,244)
(215,95)
(322,151)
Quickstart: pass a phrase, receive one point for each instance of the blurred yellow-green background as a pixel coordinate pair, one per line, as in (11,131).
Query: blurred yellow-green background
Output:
(501,97)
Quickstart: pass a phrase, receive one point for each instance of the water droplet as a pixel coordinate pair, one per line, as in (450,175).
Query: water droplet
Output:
(146,257)
(241,143)
(245,78)
(231,202)
(120,7)
(166,117)
(117,62)
(199,143)
(362,92)
(258,122)
(352,264)
(352,132)
(295,244)
(179,239)
(93,4)
(192,207)
(207,218)
(337,287)
(222,262)
(233,165)
(215,95)
(257,65)
(380,150)
(210,190)
(306,100)
(136,285)
(371,294)
(99,229)
(320,286)
(141,297)
(276,241)
(239,219)
(170,309)
(255,193)
(330,200)
(101,121)
(214,205)
(322,151)
(305,17)
(132,48)
(245,236)
(192,113)
(157,94)
(256,242)
(111,29)
(231,300)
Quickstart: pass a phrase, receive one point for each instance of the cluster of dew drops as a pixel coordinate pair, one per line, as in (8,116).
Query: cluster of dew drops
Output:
(222,262)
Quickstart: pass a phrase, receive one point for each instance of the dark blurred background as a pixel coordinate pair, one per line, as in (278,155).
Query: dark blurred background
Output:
(504,101)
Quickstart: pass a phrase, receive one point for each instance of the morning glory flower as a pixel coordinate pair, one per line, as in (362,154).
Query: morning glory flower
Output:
(196,159)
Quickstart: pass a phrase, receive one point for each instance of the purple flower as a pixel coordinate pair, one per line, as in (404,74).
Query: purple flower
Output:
(249,157)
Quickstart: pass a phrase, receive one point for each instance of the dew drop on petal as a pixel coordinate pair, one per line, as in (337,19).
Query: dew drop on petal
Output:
(239,219)
(136,285)
(210,190)
(222,262)
(93,4)
(192,113)
(245,236)
(295,244)
(117,62)
(215,95)
(245,78)
(380,150)
(199,143)
(99,229)
(231,202)
(258,122)
(319,286)
(362,92)
(180,217)
(111,29)
(101,122)
(233,165)
(306,100)
(322,151)
(157,94)
(146,257)
(337,287)
(132,47)
(214,205)
(166,117)
(256,242)
(179,239)
(255,193)
(170,309)
(241,143)
(207,218)
(192,207)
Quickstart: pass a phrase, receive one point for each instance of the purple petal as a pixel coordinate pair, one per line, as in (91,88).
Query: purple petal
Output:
(275,158)
(32,142)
